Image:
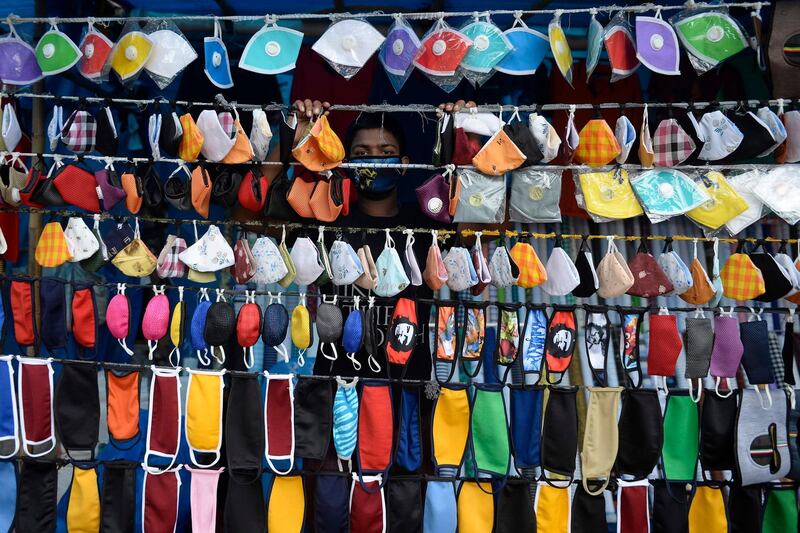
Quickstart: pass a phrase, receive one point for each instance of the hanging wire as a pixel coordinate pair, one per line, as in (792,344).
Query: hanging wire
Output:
(251,225)
(406,108)
(403,166)
(15,19)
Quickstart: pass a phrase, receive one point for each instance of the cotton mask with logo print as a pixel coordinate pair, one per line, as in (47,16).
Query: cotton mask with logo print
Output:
(377,180)
(345,264)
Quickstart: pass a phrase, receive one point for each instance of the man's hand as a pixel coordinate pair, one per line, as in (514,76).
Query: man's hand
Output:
(305,111)
(451,107)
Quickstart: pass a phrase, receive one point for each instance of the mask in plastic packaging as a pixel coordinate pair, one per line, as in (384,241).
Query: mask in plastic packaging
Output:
(743,184)
(724,204)
(398,52)
(560,48)
(528,48)
(482,198)
(55,52)
(608,195)
(535,195)
(621,47)
(665,193)
(217,65)
(779,189)
(131,52)
(18,65)
(594,45)
(347,45)
(440,54)
(489,46)
(709,37)
(776,127)
(657,45)
(171,52)
(95,49)
(272,50)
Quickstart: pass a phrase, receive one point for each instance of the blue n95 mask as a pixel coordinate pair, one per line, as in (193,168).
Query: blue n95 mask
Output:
(217,64)
(272,50)
(489,46)
(377,179)
(667,192)
(529,48)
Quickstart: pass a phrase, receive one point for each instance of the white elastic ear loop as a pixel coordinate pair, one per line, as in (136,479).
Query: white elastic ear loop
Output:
(696,399)
(764,406)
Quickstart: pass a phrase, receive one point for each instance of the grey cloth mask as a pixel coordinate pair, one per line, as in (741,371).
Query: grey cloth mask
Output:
(330,322)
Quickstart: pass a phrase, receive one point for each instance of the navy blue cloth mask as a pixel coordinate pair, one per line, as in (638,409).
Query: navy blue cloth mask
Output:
(380,180)
(9,443)
(53,306)
(409,447)
(756,360)
(198,328)
(353,335)
(8,496)
(331,499)
(275,325)
(440,507)
(526,425)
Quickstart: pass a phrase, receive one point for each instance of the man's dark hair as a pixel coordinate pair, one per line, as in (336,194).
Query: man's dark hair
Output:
(376,121)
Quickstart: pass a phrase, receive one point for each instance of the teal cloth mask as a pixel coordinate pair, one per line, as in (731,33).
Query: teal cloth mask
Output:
(272,50)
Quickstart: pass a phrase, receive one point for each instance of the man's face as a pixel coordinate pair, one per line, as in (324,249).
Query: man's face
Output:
(375,142)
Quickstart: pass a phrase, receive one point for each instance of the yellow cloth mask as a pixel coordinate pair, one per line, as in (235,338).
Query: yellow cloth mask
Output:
(52,250)
(707,511)
(531,270)
(609,195)
(598,146)
(83,509)
(552,509)
(302,334)
(321,149)
(725,202)
(475,508)
(450,426)
(130,54)
(287,505)
(204,414)
(135,260)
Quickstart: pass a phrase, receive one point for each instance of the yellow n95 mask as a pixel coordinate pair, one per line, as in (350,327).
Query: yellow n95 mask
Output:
(130,54)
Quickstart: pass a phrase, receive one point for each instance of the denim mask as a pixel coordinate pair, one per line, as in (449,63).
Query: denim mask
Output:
(665,193)
(272,50)
(217,64)
(528,50)
(392,277)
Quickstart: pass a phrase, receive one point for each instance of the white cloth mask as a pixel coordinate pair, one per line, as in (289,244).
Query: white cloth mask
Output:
(153,134)
(545,135)
(216,142)
(12,133)
(461,273)
(210,253)
(410,263)
(719,134)
(562,275)
(270,267)
(345,264)
(80,239)
(260,135)
(676,270)
(305,257)
(626,136)
(483,124)
(502,268)
(55,127)
(392,278)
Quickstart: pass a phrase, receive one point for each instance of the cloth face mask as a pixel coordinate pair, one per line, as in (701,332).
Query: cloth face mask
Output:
(719,134)
(164,428)
(600,438)
(562,275)
(598,146)
(392,278)
(305,257)
(203,420)
(269,265)
(625,134)
(36,420)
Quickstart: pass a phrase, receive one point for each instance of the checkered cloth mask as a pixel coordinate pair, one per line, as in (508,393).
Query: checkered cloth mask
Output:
(192,140)
(168,264)
(531,270)
(741,279)
(671,144)
(227,122)
(79,132)
(598,146)
(52,250)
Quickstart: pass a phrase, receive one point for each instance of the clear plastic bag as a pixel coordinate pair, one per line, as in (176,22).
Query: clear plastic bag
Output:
(779,189)
(562,54)
(743,184)
(440,54)
(482,199)
(535,195)
(665,193)
(398,52)
(607,196)
(620,46)
(171,53)
(709,36)
(130,53)
(724,205)
(94,64)
(489,46)
(348,44)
